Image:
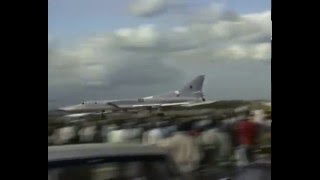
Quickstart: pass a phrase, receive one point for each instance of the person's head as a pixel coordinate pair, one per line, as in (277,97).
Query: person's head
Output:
(267,117)
(180,127)
(125,126)
(214,123)
(251,117)
(245,116)
(145,128)
(247,113)
(115,127)
(185,126)
(218,124)
(160,124)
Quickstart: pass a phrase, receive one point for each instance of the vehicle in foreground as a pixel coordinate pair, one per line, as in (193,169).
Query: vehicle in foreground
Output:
(110,162)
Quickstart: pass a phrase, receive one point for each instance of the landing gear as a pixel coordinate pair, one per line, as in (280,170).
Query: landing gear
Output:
(159,109)
(160,113)
(149,110)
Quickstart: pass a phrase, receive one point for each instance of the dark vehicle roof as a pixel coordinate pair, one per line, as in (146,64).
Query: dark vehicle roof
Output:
(87,151)
(255,171)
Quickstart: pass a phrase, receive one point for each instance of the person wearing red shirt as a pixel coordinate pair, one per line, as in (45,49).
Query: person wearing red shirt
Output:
(246,132)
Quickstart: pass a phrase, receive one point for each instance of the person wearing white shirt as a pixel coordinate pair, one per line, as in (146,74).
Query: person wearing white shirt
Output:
(152,134)
(183,149)
(87,134)
(117,136)
(64,135)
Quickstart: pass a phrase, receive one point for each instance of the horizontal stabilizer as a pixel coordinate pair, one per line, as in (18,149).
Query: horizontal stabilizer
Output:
(113,105)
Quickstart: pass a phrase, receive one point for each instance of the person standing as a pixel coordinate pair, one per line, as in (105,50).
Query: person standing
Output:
(153,136)
(183,148)
(246,134)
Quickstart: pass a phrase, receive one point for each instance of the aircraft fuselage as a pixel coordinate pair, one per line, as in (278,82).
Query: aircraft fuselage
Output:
(105,105)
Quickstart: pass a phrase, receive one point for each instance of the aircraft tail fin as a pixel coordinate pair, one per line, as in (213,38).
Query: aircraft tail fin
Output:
(193,88)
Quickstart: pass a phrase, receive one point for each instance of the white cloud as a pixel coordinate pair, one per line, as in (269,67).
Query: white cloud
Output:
(147,7)
(143,36)
(150,8)
(135,54)
(232,52)
(246,39)
(213,13)
(180,29)
(260,51)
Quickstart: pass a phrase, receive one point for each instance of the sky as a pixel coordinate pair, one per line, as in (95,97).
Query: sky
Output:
(133,48)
